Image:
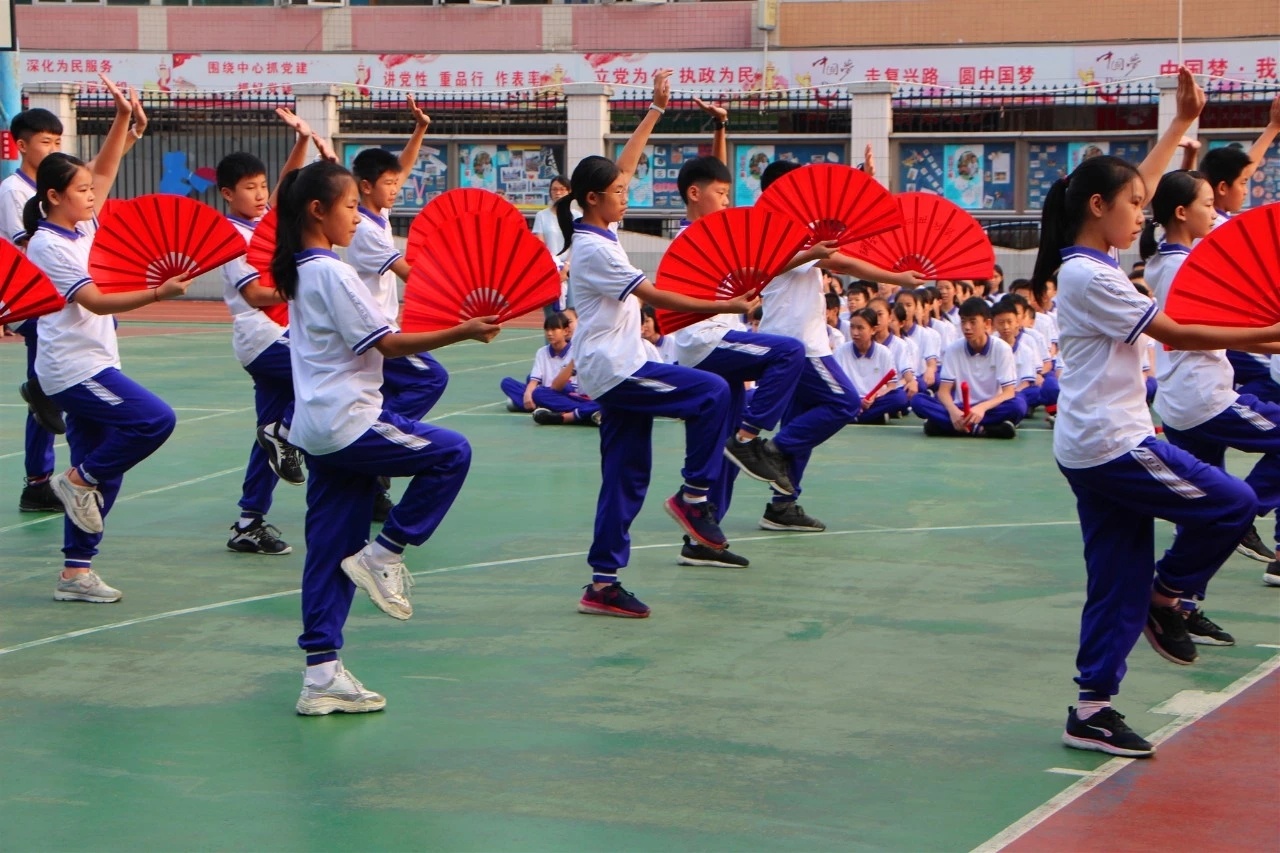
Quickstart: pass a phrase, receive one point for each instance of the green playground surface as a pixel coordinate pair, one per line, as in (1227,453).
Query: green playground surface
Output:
(898,682)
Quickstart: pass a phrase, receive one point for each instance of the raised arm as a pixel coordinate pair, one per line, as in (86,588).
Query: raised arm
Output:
(409,156)
(107,164)
(630,156)
(298,155)
(720,141)
(1258,153)
(1190,152)
(1190,102)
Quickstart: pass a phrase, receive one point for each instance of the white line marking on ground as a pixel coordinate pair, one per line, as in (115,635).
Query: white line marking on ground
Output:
(486,564)
(61,446)
(217,413)
(1069,771)
(431,678)
(1042,813)
(1268,646)
(488,366)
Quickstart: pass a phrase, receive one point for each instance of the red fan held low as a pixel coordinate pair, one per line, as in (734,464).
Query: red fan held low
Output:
(1231,277)
(725,255)
(837,203)
(25,291)
(478,265)
(261,248)
(451,205)
(938,240)
(146,241)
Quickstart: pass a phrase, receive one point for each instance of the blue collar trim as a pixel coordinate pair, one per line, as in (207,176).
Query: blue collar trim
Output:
(247,223)
(986,350)
(583,228)
(1174,249)
(371,216)
(69,233)
(310,254)
(28,181)
(1092,254)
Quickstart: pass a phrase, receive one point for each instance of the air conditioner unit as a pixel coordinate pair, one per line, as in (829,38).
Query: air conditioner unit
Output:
(484,2)
(648,2)
(325,3)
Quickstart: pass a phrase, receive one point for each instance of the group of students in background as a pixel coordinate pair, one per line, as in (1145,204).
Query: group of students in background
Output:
(340,388)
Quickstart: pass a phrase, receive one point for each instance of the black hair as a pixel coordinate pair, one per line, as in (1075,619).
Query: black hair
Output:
(776,170)
(372,163)
(699,172)
(757,314)
(833,301)
(1137,275)
(558,320)
(975,306)
(1005,306)
(863,287)
(593,174)
(1176,189)
(1067,203)
(237,166)
(1141,287)
(1224,165)
(322,181)
(1020,284)
(870,317)
(28,123)
(926,295)
(901,312)
(562,181)
(55,174)
(1019,301)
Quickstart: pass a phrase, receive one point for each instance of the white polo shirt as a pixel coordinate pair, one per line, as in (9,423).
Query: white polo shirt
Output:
(795,306)
(1026,357)
(337,372)
(15,191)
(1039,344)
(607,345)
(986,370)
(75,343)
(865,370)
(904,354)
(947,332)
(547,364)
(695,342)
(371,254)
(928,344)
(1102,407)
(252,331)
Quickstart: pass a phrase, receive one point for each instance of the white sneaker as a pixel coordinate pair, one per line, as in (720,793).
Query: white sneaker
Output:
(85,587)
(83,503)
(384,583)
(345,694)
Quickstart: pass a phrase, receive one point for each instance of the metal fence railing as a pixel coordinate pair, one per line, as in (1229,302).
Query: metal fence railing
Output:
(505,113)
(1006,109)
(186,137)
(796,111)
(1238,105)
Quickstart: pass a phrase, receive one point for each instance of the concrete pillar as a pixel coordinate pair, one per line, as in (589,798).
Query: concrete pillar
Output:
(59,99)
(871,121)
(588,114)
(317,105)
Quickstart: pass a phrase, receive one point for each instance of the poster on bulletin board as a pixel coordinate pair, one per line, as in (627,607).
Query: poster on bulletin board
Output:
(654,185)
(427,179)
(973,176)
(1048,161)
(750,162)
(519,173)
(1264,185)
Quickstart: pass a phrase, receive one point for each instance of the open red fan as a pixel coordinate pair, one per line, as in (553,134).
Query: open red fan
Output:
(450,205)
(477,265)
(938,240)
(150,239)
(1231,277)
(725,255)
(837,203)
(25,291)
(107,209)
(261,248)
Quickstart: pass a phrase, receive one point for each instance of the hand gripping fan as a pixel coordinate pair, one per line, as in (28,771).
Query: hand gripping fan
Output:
(938,240)
(25,291)
(451,205)
(1232,276)
(478,265)
(150,239)
(725,255)
(261,249)
(837,203)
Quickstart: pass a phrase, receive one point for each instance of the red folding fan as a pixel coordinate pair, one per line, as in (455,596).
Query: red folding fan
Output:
(477,265)
(149,240)
(1231,277)
(107,209)
(725,255)
(25,291)
(261,248)
(450,205)
(837,203)
(938,240)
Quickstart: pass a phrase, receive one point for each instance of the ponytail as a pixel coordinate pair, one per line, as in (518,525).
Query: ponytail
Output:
(55,174)
(1148,245)
(593,174)
(322,181)
(1176,189)
(1066,205)
(32,213)
(564,218)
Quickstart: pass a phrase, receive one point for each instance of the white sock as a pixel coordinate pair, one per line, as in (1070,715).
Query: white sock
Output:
(282,432)
(700,499)
(320,674)
(747,440)
(1086,708)
(245,522)
(383,556)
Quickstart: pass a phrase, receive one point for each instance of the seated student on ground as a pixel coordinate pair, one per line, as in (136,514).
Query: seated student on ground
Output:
(986,365)
(858,295)
(927,342)
(664,344)
(903,351)
(911,386)
(833,321)
(550,392)
(866,362)
(930,316)
(1027,356)
(754,319)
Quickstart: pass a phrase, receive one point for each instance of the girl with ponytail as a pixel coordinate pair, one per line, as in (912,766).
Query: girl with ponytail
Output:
(1105,445)
(338,339)
(113,423)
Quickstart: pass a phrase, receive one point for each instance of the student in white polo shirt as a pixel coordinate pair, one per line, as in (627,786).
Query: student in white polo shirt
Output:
(904,352)
(928,342)
(339,339)
(1026,355)
(1104,442)
(866,362)
(986,364)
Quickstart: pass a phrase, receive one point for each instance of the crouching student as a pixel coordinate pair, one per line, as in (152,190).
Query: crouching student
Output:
(866,362)
(984,363)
